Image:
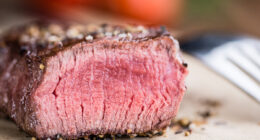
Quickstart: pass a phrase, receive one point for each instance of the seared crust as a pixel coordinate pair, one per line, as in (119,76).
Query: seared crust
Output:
(31,46)
(45,39)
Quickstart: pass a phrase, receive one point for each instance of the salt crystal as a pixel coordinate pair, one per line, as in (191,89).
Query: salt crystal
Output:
(89,38)
(122,35)
(53,38)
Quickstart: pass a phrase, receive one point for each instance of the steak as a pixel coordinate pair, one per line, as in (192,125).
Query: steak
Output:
(76,80)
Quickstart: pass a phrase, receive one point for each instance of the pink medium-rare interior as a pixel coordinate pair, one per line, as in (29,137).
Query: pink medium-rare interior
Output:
(98,89)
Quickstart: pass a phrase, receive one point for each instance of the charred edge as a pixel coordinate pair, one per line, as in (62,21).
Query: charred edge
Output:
(149,134)
(185,64)
(12,39)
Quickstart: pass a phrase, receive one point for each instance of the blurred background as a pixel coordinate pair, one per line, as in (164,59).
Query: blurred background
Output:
(184,17)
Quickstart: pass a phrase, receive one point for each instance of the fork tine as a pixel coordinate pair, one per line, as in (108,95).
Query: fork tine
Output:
(241,61)
(234,75)
(240,66)
(243,81)
(252,52)
(218,61)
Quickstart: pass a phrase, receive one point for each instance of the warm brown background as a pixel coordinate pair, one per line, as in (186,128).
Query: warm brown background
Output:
(239,16)
(198,16)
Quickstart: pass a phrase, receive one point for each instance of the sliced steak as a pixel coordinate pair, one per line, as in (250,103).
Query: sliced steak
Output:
(77,80)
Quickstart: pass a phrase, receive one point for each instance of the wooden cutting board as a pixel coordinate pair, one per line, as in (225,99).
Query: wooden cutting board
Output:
(236,116)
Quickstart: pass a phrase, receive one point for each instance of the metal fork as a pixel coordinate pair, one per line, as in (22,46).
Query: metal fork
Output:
(235,58)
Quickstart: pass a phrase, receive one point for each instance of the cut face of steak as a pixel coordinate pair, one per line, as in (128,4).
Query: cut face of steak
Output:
(85,79)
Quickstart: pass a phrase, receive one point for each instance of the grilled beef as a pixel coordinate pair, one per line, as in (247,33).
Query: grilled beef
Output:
(76,80)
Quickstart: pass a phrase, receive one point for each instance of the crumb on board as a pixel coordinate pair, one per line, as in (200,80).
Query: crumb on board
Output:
(199,122)
(185,125)
(211,103)
(187,133)
(179,132)
(33,138)
(184,122)
(181,125)
(206,114)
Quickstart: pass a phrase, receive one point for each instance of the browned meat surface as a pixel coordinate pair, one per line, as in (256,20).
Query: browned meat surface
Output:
(76,80)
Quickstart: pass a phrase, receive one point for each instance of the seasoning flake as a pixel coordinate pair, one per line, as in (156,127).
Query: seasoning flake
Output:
(187,133)
(41,66)
(129,131)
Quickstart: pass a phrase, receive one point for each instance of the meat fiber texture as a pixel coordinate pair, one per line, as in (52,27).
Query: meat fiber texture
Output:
(76,80)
